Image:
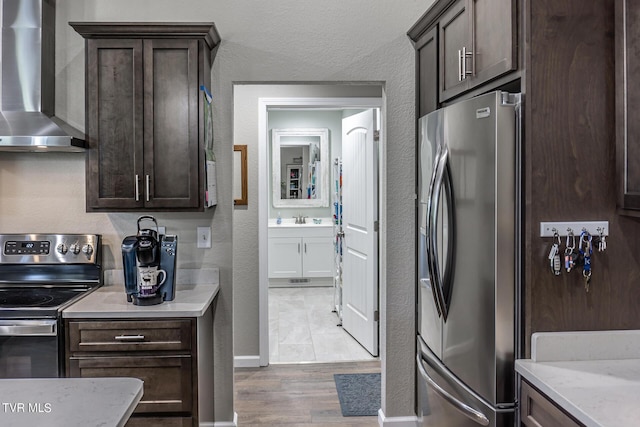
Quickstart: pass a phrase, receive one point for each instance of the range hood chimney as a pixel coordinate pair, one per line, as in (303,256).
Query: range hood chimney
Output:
(27,90)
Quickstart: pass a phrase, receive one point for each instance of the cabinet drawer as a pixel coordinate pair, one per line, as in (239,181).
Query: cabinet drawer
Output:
(538,411)
(168,384)
(159,422)
(132,335)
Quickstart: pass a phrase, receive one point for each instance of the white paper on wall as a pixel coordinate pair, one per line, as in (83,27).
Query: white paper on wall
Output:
(211,194)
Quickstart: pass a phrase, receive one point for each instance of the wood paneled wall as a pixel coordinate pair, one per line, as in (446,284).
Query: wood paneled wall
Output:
(570,173)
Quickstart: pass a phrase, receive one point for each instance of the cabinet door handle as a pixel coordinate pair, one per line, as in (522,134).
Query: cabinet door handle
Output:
(460,75)
(129,337)
(147,185)
(463,59)
(466,55)
(305,248)
(137,188)
(298,247)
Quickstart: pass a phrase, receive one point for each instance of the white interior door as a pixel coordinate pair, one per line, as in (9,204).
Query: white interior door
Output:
(359,215)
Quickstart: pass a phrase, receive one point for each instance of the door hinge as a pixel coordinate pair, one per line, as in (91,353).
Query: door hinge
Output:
(376,226)
(376,135)
(376,316)
(511,99)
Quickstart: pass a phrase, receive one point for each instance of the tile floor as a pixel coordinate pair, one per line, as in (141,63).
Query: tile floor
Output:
(303,328)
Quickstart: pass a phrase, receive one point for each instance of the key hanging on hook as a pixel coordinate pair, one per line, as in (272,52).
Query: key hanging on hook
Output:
(554,254)
(602,242)
(585,240)
(570,256)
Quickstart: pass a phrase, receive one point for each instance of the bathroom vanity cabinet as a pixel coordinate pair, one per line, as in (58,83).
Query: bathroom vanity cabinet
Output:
(301,252)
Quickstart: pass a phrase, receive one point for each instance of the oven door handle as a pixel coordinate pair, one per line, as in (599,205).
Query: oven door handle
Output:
(28,328)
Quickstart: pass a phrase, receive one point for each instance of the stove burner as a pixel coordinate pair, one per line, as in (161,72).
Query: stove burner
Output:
(36,297)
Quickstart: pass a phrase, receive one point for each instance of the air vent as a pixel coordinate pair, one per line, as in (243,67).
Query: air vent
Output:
(297,281)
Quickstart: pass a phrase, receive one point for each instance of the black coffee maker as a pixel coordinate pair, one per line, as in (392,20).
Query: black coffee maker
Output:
(149,261)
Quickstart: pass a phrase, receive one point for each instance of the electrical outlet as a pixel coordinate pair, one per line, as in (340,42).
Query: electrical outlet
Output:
(162,230)
(204,237)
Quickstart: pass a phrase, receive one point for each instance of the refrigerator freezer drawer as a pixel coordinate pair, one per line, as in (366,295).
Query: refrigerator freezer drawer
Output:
(444,401)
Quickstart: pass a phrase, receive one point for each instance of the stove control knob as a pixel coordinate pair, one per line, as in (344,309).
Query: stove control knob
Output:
(62,248)
(75,249)
(87,250)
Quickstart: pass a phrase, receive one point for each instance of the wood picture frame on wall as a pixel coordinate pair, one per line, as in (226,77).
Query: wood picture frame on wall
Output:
(240,191)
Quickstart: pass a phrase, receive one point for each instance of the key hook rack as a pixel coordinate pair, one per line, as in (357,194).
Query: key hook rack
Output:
(595,228)
(580,240)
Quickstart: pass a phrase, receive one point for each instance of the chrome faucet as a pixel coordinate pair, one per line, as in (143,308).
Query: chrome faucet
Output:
(300,219)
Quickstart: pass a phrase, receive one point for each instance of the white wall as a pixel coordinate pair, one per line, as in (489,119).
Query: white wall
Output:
(262,41)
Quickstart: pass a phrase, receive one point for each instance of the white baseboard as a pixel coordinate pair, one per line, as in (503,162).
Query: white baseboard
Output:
(383,421)
(233,423)
(246,362)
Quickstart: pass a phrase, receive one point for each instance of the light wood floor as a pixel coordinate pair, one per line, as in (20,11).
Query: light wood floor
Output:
(296,395)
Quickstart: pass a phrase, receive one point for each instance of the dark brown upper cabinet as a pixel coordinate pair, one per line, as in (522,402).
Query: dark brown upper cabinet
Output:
(427,68)
(476,43)
(628,105)
(144,114)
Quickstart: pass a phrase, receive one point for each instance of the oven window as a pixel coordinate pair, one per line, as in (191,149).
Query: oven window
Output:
(28,356)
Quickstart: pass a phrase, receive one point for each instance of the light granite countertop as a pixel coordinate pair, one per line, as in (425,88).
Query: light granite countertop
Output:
(68,402)
(594,376)
(195,291)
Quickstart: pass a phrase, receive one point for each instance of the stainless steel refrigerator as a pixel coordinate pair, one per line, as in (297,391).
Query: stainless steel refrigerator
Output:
(468,266)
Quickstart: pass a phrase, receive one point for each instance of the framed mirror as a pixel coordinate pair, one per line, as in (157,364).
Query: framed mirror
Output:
(299,167)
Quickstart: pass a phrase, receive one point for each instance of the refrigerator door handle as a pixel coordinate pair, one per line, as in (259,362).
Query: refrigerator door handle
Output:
(463,408)
(432,217)
(426,281)
(427,234)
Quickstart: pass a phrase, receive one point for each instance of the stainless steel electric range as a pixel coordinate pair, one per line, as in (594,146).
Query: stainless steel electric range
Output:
(40,275)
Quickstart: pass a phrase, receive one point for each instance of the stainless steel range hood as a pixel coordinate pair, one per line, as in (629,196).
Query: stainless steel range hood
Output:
(27,91)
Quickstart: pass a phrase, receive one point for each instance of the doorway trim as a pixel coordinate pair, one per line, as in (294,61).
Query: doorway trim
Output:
(263,188)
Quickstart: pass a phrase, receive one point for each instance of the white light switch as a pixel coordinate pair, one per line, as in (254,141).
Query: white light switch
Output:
(204,237)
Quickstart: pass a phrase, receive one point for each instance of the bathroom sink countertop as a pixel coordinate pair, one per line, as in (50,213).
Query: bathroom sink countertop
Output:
(594,376)
(195,291)
(291,222)
(68,402)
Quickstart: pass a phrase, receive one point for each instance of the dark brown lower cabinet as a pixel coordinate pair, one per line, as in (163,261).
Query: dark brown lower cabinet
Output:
(160,422)
(536,410)
(160,352)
